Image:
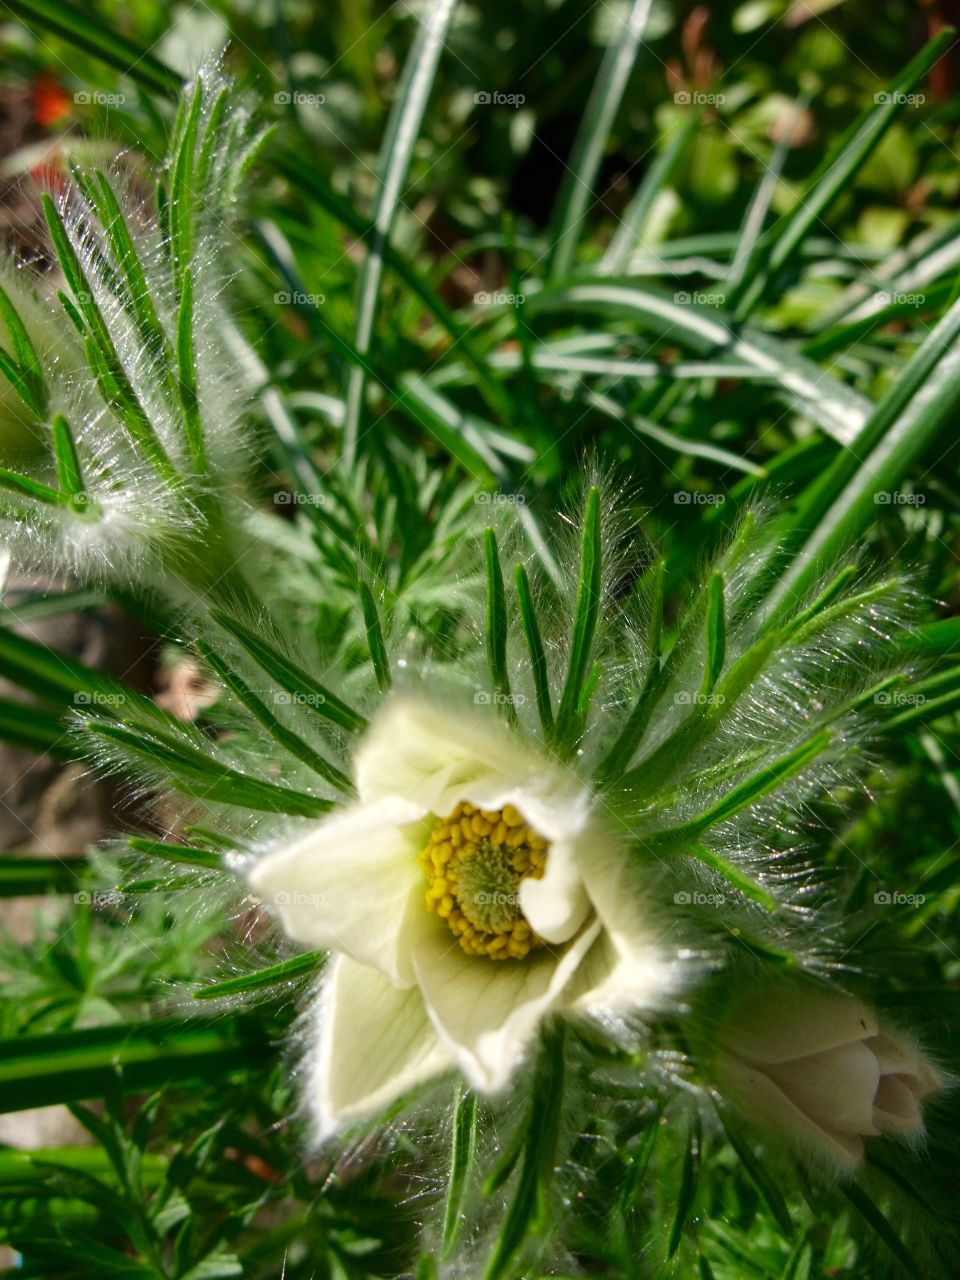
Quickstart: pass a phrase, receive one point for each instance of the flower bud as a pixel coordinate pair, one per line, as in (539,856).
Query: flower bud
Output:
(817,1067)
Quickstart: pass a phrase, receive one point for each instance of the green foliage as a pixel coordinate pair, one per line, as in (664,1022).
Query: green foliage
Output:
(444,303)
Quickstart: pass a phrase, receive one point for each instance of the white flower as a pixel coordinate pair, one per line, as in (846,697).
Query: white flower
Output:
(471,890)
(817,1067)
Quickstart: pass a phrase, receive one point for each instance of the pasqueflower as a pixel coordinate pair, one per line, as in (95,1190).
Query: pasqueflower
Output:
(818,1068)
(473,889)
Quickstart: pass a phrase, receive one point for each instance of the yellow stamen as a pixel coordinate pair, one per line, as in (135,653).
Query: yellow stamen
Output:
(474,863)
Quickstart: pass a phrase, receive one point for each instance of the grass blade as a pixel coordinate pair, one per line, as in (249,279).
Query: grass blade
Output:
(836,172)
(395,154)
(616,261)
(580,173)
(82,29)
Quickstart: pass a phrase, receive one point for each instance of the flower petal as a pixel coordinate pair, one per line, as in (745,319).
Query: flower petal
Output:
(794,1023)
(899,1057)
(352,884)
(766,1104)
(486,1012)
(626,969)
(374,1044)
(419,750)
(895,1108)
(835,1088)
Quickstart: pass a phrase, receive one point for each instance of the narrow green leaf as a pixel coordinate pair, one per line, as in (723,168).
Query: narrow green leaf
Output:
(23,877)
(877,1220)
(461,1166)
(16,375)
(284,973)
(60,678)
(751,790)
(261,712)
(529,1208)
(941,638)
(32,384)
(586,156)
(716,635)
(496,626)
(101,351)
(82,28)
(138,293)
(26,487)
(182,195)
(25,726)
(180,854)
(838,168)
(291,677)
(586,694)
(839,505)
(396,151)
(813,613)
(208,142)
(378,650)
(839,410)
(586,613)
(538,658)
(187,376)
(688,1187)
(759,206)
(68,466)
(198,774)
(38,1071)
(764,1183)
(630,229)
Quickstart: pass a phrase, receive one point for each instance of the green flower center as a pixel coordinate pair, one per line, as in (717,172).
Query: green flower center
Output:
(474,864)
